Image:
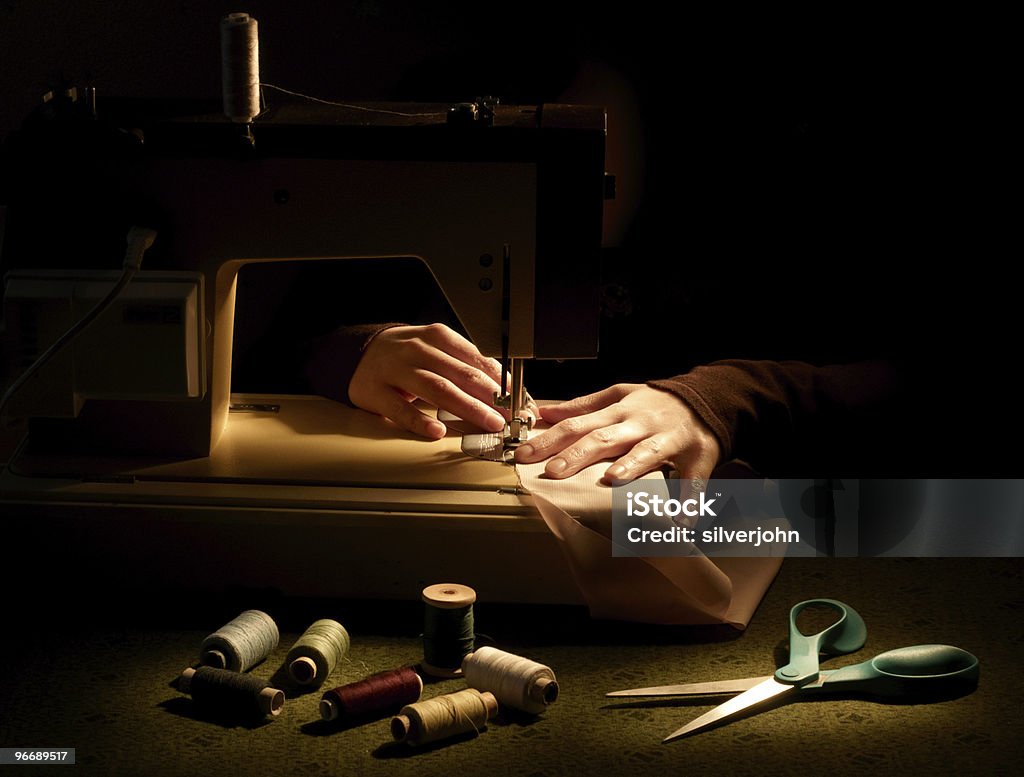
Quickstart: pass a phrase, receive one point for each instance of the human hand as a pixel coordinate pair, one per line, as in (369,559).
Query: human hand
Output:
(432,363)
(642,427)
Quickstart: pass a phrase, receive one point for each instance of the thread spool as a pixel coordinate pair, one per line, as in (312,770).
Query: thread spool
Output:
(375,696)
(241,643)
(317,652)
(444,716)
(240,67)
(227,692)
(447,628)
(516,681)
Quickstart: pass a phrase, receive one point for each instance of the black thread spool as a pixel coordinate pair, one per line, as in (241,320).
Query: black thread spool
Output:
(447,628)
(228,693)
(378,695)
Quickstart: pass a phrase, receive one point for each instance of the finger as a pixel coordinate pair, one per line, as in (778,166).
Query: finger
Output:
(647,455)
(457,346)
(598,445)
(696,466)
(557,440)
(585,404)
(466,377)
(442,393)
(562,435)
(406,415)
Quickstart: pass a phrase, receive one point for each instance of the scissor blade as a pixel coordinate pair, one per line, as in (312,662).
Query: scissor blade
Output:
(694,689)
(736,706)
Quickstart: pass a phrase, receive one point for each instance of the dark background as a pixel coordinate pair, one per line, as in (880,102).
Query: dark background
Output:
(816,185)
(824,186)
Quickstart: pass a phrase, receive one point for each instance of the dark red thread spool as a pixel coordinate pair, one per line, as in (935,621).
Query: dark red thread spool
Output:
(375,696)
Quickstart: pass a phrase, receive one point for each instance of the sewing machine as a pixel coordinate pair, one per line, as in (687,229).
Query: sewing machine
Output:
(502,203)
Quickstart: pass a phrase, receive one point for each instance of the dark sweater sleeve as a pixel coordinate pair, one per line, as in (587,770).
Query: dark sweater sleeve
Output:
(791,417)
(334,358)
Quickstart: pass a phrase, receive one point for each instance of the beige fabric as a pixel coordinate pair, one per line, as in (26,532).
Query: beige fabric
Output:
(688,590)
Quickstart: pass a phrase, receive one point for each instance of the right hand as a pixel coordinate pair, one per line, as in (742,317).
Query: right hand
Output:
(433,363)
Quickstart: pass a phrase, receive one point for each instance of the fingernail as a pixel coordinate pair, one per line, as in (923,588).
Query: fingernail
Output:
(436,429)
(497,422)
(615,472)
(557,466)
(524,451)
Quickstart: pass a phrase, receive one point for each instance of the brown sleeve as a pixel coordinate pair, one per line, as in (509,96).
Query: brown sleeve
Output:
(335,357)
(788,416)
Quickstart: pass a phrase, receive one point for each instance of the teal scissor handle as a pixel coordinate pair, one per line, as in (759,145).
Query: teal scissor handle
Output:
(846,635)
(919,670)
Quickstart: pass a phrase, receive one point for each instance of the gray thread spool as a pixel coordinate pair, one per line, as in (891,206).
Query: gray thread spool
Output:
(240,67)
(317,652)
(241,643)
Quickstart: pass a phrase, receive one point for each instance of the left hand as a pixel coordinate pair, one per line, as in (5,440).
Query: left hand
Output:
(640,426)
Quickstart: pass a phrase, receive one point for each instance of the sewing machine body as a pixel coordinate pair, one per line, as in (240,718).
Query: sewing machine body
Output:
(317,478)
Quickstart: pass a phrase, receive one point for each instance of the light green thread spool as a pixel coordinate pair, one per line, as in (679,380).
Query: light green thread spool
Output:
(317,652)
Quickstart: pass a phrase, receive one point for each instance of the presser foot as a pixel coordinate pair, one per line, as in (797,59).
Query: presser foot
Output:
(498,446)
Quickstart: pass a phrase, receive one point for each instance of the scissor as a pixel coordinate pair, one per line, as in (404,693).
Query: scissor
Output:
(920,671)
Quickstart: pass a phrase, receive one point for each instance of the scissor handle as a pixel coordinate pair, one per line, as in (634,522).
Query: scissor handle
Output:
(919,670)
(846,635)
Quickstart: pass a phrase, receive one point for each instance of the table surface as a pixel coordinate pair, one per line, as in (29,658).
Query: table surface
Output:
(91,670)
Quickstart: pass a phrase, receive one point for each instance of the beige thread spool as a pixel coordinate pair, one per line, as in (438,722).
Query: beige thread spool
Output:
(444,716)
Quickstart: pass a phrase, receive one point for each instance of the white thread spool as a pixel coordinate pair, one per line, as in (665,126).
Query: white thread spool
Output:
(516,681)
(317,652)
(240,67)
(241,643)
(444,716)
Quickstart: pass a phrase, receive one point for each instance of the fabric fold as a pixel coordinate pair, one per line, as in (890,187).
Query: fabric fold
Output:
(692,589)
